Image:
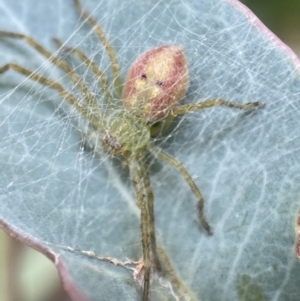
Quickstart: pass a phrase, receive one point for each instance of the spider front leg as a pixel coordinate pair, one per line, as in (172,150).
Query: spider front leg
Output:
(214,103)
(160,154)
(136,173)
(150,203)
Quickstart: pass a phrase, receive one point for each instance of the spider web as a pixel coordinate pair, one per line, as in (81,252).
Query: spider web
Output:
(246,164)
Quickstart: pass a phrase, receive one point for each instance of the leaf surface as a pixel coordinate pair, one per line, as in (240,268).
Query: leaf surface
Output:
(53,193)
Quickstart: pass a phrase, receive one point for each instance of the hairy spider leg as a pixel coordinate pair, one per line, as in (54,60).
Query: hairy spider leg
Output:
(163,126)
(74,77)
(136,173)
(109,49)
(160,154)
(72,100)
(102,80)
(213,103)
(150,203)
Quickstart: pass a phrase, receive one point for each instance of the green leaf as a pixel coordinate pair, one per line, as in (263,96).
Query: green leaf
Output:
(54,194)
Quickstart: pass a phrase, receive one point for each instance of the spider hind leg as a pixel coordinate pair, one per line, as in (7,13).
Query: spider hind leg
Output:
(102,80)
(108,47)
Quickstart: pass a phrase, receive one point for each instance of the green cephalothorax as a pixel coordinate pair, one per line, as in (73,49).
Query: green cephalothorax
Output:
(125,133)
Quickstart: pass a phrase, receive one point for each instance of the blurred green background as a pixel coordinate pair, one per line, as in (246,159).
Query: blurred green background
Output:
(281,17)
(26,275)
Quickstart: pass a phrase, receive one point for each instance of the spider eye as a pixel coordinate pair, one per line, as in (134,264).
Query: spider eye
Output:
(159,83)
(143,76)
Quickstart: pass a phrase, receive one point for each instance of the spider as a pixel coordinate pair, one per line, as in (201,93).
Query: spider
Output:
(150,99)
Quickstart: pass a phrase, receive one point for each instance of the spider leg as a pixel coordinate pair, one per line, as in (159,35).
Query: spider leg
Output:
(74,77)
(161,127)
(108,47)
(102,80)
(160,154)
(213,103)
(141,194)
(89,115)
(150,202)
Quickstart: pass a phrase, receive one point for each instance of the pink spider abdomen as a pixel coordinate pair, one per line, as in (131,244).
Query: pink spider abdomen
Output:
(156,82)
